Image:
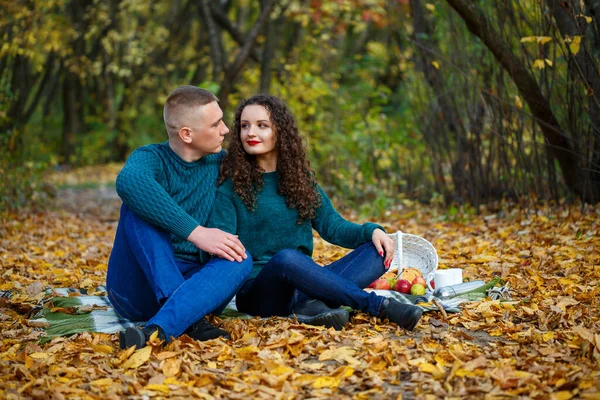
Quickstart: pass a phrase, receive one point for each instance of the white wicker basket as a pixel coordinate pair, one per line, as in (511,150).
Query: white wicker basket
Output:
(411,251)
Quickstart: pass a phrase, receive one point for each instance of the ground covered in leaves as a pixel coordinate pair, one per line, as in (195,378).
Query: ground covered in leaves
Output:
(543,344)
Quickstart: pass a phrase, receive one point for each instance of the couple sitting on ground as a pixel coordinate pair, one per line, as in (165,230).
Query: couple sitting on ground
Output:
(199,225)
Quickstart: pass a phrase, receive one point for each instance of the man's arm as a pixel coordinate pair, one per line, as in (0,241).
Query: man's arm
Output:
(138,187)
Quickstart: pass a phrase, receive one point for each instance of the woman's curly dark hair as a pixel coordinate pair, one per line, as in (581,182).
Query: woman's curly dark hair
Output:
(296,180)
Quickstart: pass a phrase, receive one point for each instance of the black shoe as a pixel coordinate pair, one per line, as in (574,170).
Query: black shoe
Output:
(315,312)
(405,315)
(139,337)
(203,330)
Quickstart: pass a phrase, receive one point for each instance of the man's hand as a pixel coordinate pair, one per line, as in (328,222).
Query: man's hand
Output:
(218,243)
(384,245)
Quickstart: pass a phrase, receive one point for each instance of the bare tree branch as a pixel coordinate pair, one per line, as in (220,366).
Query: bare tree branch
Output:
(557,141)
(236,66)
(221,18)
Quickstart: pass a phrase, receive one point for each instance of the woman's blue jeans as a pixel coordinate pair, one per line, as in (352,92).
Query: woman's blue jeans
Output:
(145,281)
(291,277)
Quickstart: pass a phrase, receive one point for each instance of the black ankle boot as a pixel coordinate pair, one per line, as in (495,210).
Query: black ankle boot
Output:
(315,312)
(405,315)
(139,337)
(204,330)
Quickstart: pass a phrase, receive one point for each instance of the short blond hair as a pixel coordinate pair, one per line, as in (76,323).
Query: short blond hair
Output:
(182,100)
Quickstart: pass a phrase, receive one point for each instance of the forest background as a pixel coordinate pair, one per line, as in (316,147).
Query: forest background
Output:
(449,102)
(469,105)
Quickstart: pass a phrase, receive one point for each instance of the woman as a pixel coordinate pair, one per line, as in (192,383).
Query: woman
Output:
(269,198)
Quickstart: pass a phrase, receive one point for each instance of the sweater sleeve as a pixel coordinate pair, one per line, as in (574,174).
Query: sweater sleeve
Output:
(224,213)
(335,229)
(138,187)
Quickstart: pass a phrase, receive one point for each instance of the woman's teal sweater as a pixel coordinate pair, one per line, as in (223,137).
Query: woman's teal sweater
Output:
(273,225)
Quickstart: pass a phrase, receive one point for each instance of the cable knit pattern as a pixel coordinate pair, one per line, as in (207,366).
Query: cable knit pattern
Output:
(273,227)
(170,193)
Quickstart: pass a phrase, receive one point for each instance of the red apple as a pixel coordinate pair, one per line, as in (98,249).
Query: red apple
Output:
(382,284)
(432,283)
(372,284)
(419,280)
(402,286)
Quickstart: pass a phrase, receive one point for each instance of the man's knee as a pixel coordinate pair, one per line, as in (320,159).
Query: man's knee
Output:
(247,263)
(245,266)
(137,229)
(129,218)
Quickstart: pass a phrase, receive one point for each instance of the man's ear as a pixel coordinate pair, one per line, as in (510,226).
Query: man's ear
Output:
(185,134)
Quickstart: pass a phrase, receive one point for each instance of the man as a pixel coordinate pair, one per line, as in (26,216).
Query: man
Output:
(160,269)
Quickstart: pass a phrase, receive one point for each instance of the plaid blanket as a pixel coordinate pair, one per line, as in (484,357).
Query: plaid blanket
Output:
(69,311)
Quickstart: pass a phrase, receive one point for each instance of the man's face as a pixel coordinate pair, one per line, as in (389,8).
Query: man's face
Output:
(207,129)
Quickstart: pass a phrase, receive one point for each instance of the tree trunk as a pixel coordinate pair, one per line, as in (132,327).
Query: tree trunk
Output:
(27,88)
(214,38)
(447,113)
(73,91)
(72,114)
(236,66)
(267,54)
(557,140)
(582,67)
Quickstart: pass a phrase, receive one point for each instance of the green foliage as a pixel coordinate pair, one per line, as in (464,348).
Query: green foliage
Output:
(353,73)
(22,184)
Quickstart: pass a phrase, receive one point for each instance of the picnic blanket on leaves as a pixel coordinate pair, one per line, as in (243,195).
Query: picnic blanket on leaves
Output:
(68,311)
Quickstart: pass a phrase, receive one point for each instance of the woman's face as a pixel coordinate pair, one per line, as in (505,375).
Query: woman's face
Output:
(257,132)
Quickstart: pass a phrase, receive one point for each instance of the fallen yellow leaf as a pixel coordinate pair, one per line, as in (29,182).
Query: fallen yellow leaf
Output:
(39,356)
(102,348)
(325,381)
(171,367)
(343,353)
(158,388)
(138,358)
(102,382)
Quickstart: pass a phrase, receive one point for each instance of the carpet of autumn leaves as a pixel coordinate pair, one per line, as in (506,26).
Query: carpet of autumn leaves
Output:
(543,344)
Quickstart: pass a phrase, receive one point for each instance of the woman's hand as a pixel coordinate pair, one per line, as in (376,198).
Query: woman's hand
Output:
(384,245)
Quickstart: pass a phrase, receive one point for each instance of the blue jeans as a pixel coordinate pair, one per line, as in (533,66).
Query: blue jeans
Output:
(291,277)
(145,281)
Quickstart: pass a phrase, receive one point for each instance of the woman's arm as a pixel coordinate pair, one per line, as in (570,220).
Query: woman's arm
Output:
(335,229)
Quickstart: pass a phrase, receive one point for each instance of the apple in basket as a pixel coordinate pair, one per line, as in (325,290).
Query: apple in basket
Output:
(402,286)
(417,289)
(382,284)
(419,280)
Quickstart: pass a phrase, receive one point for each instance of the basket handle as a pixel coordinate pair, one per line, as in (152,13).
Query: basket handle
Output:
(399,253)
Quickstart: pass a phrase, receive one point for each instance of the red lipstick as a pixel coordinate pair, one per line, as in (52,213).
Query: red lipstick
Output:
(253,142)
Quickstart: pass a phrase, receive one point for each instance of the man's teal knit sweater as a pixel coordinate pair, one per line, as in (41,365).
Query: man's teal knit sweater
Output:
(170,193)
(273,226)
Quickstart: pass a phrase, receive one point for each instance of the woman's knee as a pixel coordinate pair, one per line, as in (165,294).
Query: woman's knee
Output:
(370,248)
(287,257)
